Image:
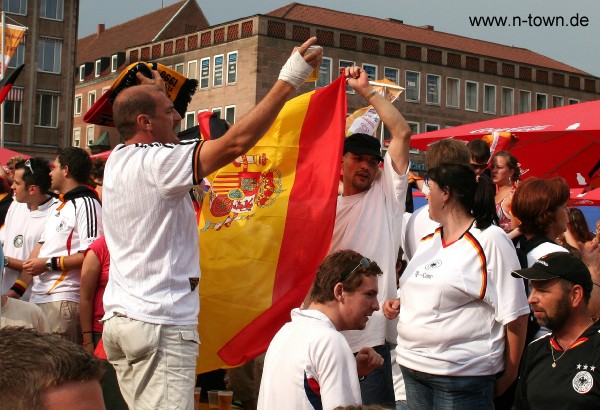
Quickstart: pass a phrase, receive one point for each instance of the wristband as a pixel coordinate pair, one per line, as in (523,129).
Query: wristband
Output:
(19,288)
(61,263)
(55,263)
(371,94)
(296,70)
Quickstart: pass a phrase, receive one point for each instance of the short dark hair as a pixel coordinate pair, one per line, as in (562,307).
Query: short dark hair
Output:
(130,103)
(333,269)
(480,151)
(98,168)
(78,161)
(40,175)
(536,201)
(447,150)
(33,362)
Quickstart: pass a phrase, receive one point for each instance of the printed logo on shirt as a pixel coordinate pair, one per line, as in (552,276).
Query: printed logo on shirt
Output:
(433,265)
(193,283)
(583,380)
(18,242)
(423,275)
(61,225)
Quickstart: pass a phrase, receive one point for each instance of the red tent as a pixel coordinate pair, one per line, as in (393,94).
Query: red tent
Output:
(561,141)
(6,154)
(580,198)
(103,155)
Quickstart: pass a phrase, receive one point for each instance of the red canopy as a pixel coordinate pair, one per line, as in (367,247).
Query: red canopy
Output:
(6,154)
(103,155)
(580,198)
(561,141)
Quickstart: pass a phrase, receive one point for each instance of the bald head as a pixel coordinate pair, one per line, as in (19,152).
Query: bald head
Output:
(131,102)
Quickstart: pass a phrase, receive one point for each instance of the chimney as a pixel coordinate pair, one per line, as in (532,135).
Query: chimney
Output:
(427,27)
(101,28)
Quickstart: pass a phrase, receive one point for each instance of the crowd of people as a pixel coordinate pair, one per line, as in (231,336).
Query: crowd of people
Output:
(496,301)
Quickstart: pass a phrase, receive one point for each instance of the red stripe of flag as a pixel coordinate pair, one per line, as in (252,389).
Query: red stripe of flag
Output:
(7,82)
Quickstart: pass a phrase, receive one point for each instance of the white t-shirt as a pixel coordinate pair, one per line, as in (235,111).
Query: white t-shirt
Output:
(23,314)
(370,223)
(455,301)
(418,226)
(71,227)
(151,233)
(21,233)
(308,365)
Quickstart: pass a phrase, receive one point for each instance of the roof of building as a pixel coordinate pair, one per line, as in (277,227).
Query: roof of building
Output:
(141,30)
(395,29)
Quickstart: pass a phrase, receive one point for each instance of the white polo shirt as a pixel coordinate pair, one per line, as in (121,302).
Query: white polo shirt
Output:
(308,365)
(21,233)
(455,301)
(70,228)
(151,233)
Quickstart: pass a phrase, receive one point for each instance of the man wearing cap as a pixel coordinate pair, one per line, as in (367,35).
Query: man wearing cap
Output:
(369,221)
(561,369)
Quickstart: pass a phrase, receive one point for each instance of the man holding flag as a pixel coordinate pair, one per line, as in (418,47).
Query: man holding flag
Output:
(369,221)
(151,299)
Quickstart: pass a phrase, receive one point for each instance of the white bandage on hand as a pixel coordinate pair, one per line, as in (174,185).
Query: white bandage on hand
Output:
(295,71)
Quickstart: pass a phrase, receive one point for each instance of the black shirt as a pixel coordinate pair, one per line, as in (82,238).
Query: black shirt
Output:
(575,381)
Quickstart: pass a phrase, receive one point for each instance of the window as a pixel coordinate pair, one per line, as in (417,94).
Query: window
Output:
(190,119)
(325,72)
(346,63)
(18,58)
(179,68)
(114,63)
(192,70)
(98,68)
(414,127)
(524,101)
(78,104)
(91,98)
(508,101)
(541,101)
(489,99)
(371,71)
(232,67)
(230,114)
(558,101)
(89,135)
(573,101)
(392,74)
(104,90)
(82,73)
(46,103)
(471,95)
(15,6)
(453,92)
(49,51)
(76,137)
(431,127)
(204,72)
(433,89)
(218,71)
(12,106)
(413,84)
(217,111)
(52,9)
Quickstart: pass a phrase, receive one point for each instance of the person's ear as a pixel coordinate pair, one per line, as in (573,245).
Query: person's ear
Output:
(338,291)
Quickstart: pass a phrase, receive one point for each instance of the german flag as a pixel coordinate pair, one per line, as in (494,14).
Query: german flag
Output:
(266,225)
(7,82)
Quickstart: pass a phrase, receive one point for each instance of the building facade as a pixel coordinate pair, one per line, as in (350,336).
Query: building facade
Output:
(38,111)
(449,80)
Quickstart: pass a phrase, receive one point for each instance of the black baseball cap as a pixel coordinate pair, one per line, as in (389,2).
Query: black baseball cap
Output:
(562,265)
(363,144)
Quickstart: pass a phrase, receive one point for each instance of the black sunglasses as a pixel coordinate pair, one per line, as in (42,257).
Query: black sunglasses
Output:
(364,263)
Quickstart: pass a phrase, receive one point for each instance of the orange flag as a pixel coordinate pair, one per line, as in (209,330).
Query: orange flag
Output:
(266,225)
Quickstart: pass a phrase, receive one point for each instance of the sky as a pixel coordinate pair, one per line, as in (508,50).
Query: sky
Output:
(575,43)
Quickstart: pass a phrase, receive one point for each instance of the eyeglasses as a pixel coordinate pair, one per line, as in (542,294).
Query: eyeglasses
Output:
(28,165)
(479,166)
(364,263)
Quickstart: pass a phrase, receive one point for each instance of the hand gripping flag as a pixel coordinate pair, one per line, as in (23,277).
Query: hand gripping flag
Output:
(266,225)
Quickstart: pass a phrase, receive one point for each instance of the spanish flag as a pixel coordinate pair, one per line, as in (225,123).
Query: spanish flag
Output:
(266,225)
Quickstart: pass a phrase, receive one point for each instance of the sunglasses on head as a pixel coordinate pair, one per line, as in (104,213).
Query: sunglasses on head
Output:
(364,263)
